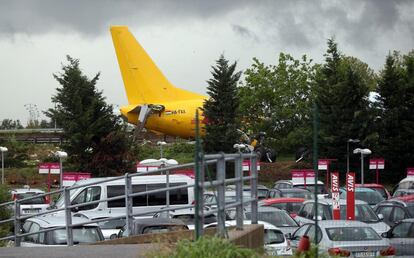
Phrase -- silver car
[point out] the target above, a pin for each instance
(363, 212)
(344, 238)
(401, 236)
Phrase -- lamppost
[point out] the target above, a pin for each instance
(2, 150)
(62, 155)
(161, 144)
(363, 152)
(347, 151)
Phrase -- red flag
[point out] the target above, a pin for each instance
(335, 196)
(350, 196)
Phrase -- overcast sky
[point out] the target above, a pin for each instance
(184, 38)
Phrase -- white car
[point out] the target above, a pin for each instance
(35, 205)
(89, 233)
(275, 241)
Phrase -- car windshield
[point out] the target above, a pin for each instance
(363, 212)
(80, 235)
(292, 207)
(276, 218)
(352, 234)
(112, 224)
(372, 197)
(37, 200)
(272, 236)
(410, 208)
(321, 188)
(381, 191)
(301, 194)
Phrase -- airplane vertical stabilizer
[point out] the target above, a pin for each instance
(144, 82)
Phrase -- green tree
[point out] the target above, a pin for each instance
(342, 89)
(87, 120)
(8, 124)
(221, 109)
(396, 119)
(276, 99)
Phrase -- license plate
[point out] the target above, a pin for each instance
(31, 211)
(365, 254)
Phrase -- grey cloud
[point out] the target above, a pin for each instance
(244, 32)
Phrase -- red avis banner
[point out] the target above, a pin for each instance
(350, 196)
(336, 212)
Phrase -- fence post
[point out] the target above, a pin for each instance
(167, 174)
(68, 217)
(253, 186)
(17, 224)
(238, 168)
(128, 204)
(221, 176)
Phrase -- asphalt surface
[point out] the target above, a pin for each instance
(90, 251)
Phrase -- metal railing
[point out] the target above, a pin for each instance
(200, 185)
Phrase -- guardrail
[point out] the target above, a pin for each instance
(201, 165)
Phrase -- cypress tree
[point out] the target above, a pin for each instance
(221, 109)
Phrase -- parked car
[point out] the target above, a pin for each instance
(35, 205)
(142, 203)
(153, 225)
(367, 195)
(363, 212)
(405, 184)
(377, 187)
(344, 238)
(111, 227)
(262, 191)
(401, 236)
(274, 239)
(291, 205)
(287, 184)
(276, 217)
(290, 193)
(396, 209)
(89, 233)
(186, 216)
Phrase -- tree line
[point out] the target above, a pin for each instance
(353, 102)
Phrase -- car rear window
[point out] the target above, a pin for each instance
(80, 235)
(272, 236)
(352, 234)
(37, 200)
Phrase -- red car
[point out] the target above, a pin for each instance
(291, 205)
(377, 187)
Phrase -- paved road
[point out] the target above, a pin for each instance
(90, 251)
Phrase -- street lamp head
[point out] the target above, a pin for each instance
(161, 143)
(239, 146)
(3, 149)
(354, 140)
(362, 151)
(61, 154)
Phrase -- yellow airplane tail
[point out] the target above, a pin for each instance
(144, 82)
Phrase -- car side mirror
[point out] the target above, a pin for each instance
(113, 236)
(75, 209)
(288, 235)
(380, 216)
(387, 234)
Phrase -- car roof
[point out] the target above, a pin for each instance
(27, 190)
(372, 185)
(145, 178)
(328, 201)
(266, 225)
(408, 220)
(297, 183)
(407, 179)
(282, 200)
(341, 223)
(294, 190)
(50, 221)
(407, 198)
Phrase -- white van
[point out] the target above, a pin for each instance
(143, 203)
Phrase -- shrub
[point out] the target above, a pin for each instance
(5, 212)
(206, 247)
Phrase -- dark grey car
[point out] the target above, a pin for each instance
(401, 236)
